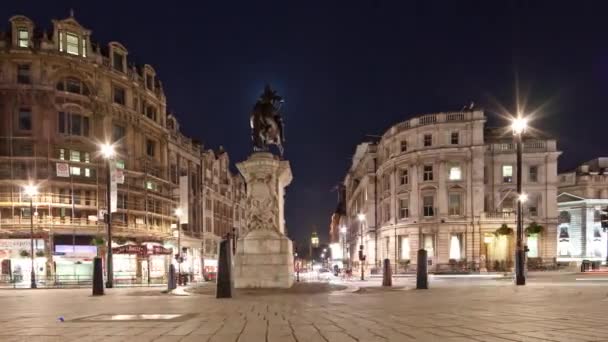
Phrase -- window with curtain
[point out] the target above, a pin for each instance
(428, 243)
(456, 246)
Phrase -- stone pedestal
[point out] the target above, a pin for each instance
(264, 255)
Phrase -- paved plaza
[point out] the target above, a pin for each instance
(451, 310)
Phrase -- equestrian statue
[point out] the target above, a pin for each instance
(266, 121)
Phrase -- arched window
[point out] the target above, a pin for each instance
(73, 85)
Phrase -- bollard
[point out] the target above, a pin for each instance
(387, 275)
(171, 281)
(97, 277)
(224, 276)
(422, 281)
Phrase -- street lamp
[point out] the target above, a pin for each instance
(178, 214)
(361, 217)
(519, 126)
(31, 190)
(108, 153)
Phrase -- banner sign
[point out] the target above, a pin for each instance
(161, 250)
(20, 244)
(63, 170)
(113, 187)
(142, 250)
(183, 198)
(130, 249)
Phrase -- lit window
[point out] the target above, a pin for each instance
(507, 174)
(75, 171)
(455, 173)
(404, 248)
(428, 140)
(454, 138)
(454, 204)
(87, 172)
(455, 247)
(72, 44)
(428, 243)
(62, 153)
(120, 164)
(533, 174)
(150, 185)
(75, 156)
(84, 47)
(87, 157)
(532, 243)
(25, 119)
(24, 38)
(428, 202)
(61, 37)
(427, 175)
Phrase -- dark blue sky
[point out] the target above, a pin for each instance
(351, 68)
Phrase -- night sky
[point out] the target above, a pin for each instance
(351, 68)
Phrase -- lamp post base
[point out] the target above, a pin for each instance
(520, 277)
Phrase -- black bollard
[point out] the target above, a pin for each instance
(387, 274)
(224, 276)
(422, 281)
(97, 277)
(171, 281)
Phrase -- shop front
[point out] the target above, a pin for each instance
(73, 263)
(16, 262)
(143, 263)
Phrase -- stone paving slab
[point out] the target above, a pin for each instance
(446, 314)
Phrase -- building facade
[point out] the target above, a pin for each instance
(583, 193)
(61, 95)
(446, 183)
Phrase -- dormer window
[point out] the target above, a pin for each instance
(72, 44)
(118, 62)
(23, 37)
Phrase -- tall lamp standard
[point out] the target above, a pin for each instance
(31, 191)
(519, 126)
(178, 214)
(108, 153)
(361, 217)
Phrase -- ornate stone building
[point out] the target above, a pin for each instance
(446, 183)
(582, 194)
(61, 95)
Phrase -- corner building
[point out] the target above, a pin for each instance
(61, 95)
(444, 182)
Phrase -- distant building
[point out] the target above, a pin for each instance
(582, 194)
(444, 182)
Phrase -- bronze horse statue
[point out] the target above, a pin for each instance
(266, 121)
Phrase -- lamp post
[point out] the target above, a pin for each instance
(519, 126)
(178, 214)
(296, 265)
(361, 218)
(108, 153)
(31, 191)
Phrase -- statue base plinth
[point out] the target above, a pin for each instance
(264, 259)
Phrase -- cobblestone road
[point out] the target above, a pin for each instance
(484, 312)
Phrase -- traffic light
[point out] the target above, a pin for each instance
(604, 218)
